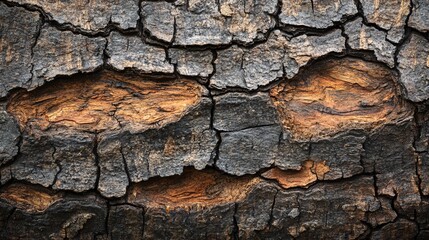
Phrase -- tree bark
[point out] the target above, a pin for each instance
(213, 119)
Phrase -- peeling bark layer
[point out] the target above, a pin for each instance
(105, 102)
(336, 96)
(214, 119)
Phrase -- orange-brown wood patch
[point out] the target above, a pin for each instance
(192, 188)
(338, 95)
(105, 101)
(29, 198)
(309, 173)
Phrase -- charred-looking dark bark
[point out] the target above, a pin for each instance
(207, 119)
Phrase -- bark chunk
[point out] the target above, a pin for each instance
(158, 19)
(402, 228)
(19, 29)
(192, 63)
(418, 18)
(78, 168)
(395, 165)
(249, 150)
(9, 137)
(302, 49)
(413, 66)
(113, 176)
(422, 147)
(131, 52)
(35, 164)
(362, 37)
(64, 53)
(301, 214)
(390, 15)
(237, 111)
(126, 222)
(316, 13)
(89, 16)
(63, 160)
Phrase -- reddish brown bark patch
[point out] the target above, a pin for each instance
(339, 95)
(105, 101)
(202, 188)
(29, 198)
(309, 173)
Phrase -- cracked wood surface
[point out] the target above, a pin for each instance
(228, 119)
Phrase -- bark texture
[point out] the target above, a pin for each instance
(208, 119)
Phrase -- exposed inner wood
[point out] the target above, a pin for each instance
(29, 198)
(338, 95)
(105, 101)
(309, 173)
(193, 187)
